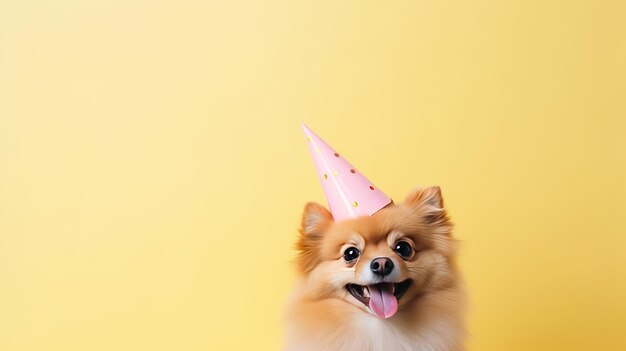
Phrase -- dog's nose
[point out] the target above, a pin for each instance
(381, 266)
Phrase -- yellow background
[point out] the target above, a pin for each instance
(153, 171)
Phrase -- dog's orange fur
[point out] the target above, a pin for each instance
(323, 315)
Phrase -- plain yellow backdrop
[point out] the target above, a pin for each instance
(153, 171)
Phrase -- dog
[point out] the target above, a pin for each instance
(384, 282)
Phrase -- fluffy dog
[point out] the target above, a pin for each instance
(383, 282)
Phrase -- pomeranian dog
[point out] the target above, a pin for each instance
(383, 282)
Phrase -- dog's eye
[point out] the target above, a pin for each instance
(403, 249)
(351, 254)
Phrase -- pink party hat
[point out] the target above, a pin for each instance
(348, 192)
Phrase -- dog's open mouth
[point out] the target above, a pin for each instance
(381, 298)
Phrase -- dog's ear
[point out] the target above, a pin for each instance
(425, 196)
(429, 202)
(315, 219)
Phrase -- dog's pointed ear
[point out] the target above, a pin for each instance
(315, 219)
(429, 202)
(425, 196)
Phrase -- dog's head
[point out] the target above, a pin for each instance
(379, 263)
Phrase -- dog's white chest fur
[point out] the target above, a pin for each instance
(368, 333)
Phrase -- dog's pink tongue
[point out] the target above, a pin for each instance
(382, 301)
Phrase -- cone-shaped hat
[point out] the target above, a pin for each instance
(348, 192)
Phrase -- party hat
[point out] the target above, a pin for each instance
(348, 192)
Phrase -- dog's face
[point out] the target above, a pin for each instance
(380, 263)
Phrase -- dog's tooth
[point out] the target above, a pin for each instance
(366, 292)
